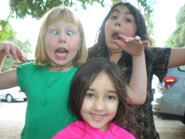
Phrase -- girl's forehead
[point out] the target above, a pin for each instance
(122, 9)
(70, 21)
(63, 22)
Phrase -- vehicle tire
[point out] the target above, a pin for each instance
(9, 98)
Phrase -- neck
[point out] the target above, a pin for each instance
(60, 68)
(115, 56)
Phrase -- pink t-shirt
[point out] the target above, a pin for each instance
(82, 130)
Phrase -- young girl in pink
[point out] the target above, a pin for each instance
(98, 98)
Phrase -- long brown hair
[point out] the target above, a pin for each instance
(100, 43)
(84, 77)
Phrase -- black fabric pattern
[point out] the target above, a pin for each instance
(141, 122)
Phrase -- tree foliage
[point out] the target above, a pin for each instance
(146, 5)
(36, 8)
(177, 39)
(24, 46)
(6, 30)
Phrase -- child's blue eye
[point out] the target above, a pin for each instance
(69, 33)
(55, 32)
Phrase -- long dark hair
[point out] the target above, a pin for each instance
(84, 77)
(139, 21)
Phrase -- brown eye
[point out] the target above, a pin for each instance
(113, 17)
(89, 95)
(128, 20)
(110, 97)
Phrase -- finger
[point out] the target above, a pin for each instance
(129, 39)
(123, 38)
(137, 38)
(145, 43)
(22, 59)
(20, 55)
(13, 51)
(15, 65)
(10, 49)
(120, 44)
(7, 51)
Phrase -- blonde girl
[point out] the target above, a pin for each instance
(59, 52)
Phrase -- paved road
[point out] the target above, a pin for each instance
(12, 117)
(169, 128)
(12, 121)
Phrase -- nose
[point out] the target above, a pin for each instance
(62, 38)
(99, 105)
(118, 22)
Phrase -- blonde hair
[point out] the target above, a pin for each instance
(54, 15)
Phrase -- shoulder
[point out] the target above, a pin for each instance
(28, 67)
(71, 72)
(74, 130)
(120, 132)
(95, 51)
(157, 55)
(30, 64)
(25, 67)
(75, 68)
(158, 50)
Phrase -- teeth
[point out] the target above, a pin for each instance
(61, 54)
(115, 36)
(61, 49)
(97, 115)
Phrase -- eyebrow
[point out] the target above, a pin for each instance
(110, 91)
(115, 10)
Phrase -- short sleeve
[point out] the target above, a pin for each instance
(22, 71)
(160, 60)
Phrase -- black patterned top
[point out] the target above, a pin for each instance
(156, 63)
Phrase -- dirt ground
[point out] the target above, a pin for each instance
(12, 129)
(12, 121)
(168, 128)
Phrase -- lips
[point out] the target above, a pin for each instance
(97, 117)
(61, 52)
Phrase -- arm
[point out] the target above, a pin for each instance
(177, 57)
(9, 78)
(137, 88)
(2, 57)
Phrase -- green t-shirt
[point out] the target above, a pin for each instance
(47, 96)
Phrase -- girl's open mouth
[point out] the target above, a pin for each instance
(61, 52)
(115, 36)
